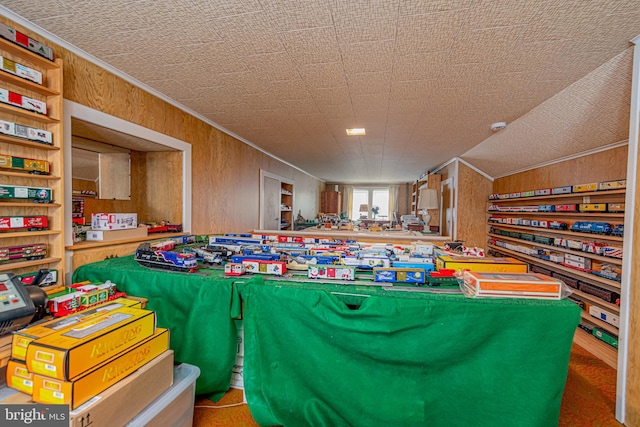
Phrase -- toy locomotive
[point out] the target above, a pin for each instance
(165, 260)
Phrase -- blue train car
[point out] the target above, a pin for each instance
(591, 227)
(399, 275)
(255, 257)
(618, 230)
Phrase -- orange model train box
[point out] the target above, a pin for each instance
(487, 264)
(78, 391)
(23, 337)
(512, 285)
(18, 376)
(70, 353)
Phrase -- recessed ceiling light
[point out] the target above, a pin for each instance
(356, 131)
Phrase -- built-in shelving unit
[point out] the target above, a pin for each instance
(525, 234)
(50, 92)
(286, 206)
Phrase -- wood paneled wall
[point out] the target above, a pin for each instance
(225, 171)
(604, 166)
(473, 190)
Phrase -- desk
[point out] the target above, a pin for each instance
(402, 359)
(196, 309)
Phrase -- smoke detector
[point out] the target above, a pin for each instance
(498, 126)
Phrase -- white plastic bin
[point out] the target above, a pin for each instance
(174, 408)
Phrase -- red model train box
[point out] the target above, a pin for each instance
(512, 285)
(23, 337)
(69, 353)
(486, 264)
(114, 221)
(109, 235)
(78, 391)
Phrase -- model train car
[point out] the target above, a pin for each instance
(21, 164)
(18, 192)
(591, 227)
(22, 252)
(414, 276)
(333, 272)
(165, 260)
(276, 268)
(25, 41)
(30, 223)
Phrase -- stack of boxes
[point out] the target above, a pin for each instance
(115, 226)
(73, 359)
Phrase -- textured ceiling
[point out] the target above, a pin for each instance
(425, 78)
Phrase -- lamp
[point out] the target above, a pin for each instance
(428, 200)
(364, 208)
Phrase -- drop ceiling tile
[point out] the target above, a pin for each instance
(363, 20)
(421, 7)
(369, 83)
(318, 76)
(311, 45)
(331, 95)
(290, 15)
(368, 57)
(376, 101)
(423, 66)
(427, 33)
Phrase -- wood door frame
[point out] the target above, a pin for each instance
(266, 174)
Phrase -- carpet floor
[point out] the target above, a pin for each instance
(589, 398)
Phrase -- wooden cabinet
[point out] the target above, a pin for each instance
(331, 202)
(286, 206)
(542, 231)
(49, 92)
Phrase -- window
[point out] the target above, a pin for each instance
(372, 197)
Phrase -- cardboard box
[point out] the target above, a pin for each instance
(125, 399)
(18, 376)
(512, 285)
(175, 406)
(604, 315)
(485, 264)
(23, 337)
(80, 390)
(67, 354)
(114, 221)
(109, 235)
(119, 403)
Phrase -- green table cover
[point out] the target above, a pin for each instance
(195, 308)
(335, 355)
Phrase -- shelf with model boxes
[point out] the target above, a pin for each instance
(31, 185)
(575, 234)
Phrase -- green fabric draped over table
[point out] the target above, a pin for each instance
(195, 308)
(320, 355)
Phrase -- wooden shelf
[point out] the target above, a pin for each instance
(619, 215)
(609, 260)
(581, 236)
(9, 234)
(17, 111)
(29, 205)
(611, 285)
(28, 175)
(27, 84)
(29, 56)
(30, 263)
(599, 323)
(523, 200)
(26, 143)
(49, 92)
(598, 348)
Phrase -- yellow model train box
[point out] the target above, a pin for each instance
(78, 391)
(512, 285)
(488, 264)
(70, 353)
(23, 337)
(18, 376)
